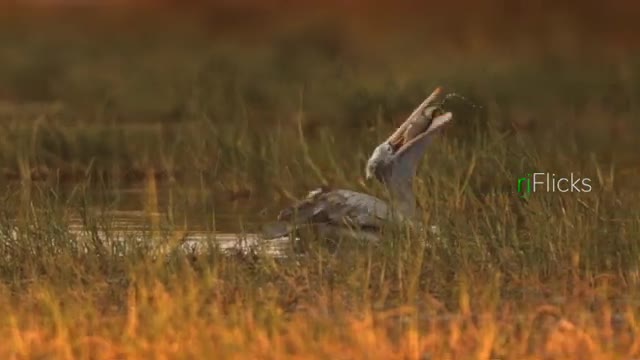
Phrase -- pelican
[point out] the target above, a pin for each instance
(338, 212)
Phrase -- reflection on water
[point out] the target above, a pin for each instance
(191, 219)
(131, 226)
(195, 208)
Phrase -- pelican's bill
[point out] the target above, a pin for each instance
(421, 121)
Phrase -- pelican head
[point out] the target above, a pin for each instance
(397, 156)
(379, 161)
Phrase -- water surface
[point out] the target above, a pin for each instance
(192, 219)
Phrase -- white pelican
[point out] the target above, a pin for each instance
(337, 212)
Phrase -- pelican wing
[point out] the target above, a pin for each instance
(337, 207)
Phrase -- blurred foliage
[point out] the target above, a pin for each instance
(219, 101)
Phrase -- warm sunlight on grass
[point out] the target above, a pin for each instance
(156, 322)
(212, 127)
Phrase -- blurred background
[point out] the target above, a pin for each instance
(241, 96)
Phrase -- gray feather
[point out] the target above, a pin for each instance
(338, 207)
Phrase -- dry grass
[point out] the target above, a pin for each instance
(185, 322)
(207, 307)
(219, 135)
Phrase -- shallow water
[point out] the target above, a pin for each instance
(190, 219)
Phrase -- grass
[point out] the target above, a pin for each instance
(221, 130)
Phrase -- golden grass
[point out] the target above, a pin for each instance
(156, 322)
(219, 135)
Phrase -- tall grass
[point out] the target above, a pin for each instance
(211, 129)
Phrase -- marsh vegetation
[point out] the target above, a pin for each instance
(171, 133)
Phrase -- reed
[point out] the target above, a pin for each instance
(218, 137)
